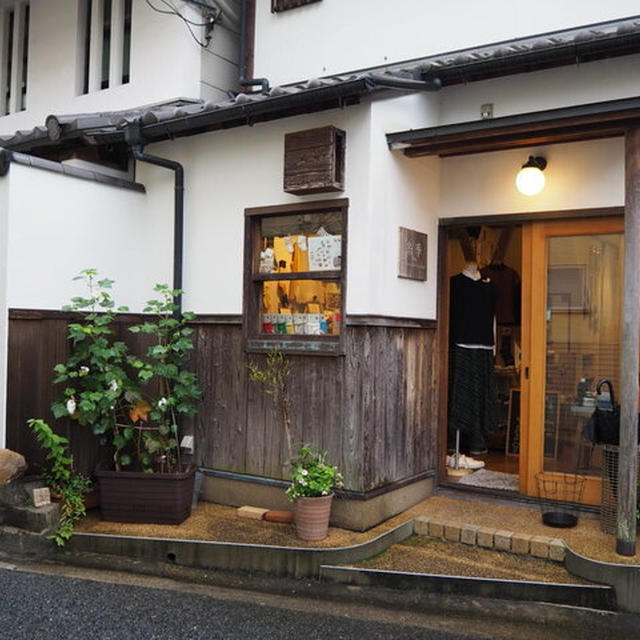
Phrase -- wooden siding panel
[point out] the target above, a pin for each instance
(373, 410)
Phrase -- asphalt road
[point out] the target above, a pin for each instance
(41, 601)
(41, 607)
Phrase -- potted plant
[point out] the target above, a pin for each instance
(134, 401)
(69, 487)
(313, 480)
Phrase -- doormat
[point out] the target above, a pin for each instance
(491, 480)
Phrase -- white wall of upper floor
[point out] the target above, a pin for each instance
(166, 62)
(334, 36)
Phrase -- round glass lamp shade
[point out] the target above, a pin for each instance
(530, 181)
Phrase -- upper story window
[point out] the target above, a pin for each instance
(283, 5)
(14, 57)
(295, 277)
(104, 28)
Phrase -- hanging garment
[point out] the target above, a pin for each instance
(506, 284)
(472, 311)
(472, 397)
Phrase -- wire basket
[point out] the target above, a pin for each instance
(609, 498)
(560, 495)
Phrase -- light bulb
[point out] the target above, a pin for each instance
(530, 181)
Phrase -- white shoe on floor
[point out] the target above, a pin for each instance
(464, 462)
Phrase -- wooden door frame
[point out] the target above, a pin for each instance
(442, 313)
(534, 340)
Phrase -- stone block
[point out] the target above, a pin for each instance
(520, 543)
(485, 537)
(469, 534)
(421, 526)
(252, 513)
(12, 465)
(452, 531)
(34, 519)
(502, 540)
(436, 528)
(18, 493)
(557, 550)
(539, 546)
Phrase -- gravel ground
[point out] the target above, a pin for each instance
(425, 555)
(220, 523)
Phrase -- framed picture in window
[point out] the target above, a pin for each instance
(567, 287)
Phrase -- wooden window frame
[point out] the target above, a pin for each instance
(285, 5)
(257, 342)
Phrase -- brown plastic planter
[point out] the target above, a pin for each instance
(149, 498)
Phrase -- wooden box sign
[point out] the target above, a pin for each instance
(314, 161)
(283, 5)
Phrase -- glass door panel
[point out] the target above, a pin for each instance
(583, 316)
(571, 333)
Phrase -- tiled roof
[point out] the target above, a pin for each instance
(189, 117)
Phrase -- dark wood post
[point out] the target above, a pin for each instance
(628, 452)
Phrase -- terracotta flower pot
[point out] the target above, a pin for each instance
(312, 517)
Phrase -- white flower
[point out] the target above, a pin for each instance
(304, 472)
(84, 370)
(71, 406)
(325, 493)
(162, 403)
(302, 481)
(113, 385)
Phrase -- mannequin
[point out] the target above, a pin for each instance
(472, 385)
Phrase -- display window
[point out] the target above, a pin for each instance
(294, 276)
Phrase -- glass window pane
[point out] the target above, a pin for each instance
(302, 242)
(301, 307)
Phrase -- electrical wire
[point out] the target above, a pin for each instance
(174, 12)
(188, 23)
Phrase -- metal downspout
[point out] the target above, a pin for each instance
(243, 80)
(178, 212)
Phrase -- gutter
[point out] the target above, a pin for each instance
(135, 141)
(8, 157)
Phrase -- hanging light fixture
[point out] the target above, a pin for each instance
(530, 180)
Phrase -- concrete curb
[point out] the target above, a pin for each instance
(624, 578)
(575, 595)
(228, 556)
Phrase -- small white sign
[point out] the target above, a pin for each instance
(41, 497)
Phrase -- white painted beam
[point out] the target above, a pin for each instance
(15, 96)
(4, 43)
(116, 56)
(95, 49)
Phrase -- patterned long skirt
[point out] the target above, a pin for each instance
(472, 397)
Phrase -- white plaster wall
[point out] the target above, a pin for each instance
(227, 171)
(403, 193)
(166, 63)
(60, 225)
(578, 175)
(4, 218)
(611, 79)
(333, 36)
